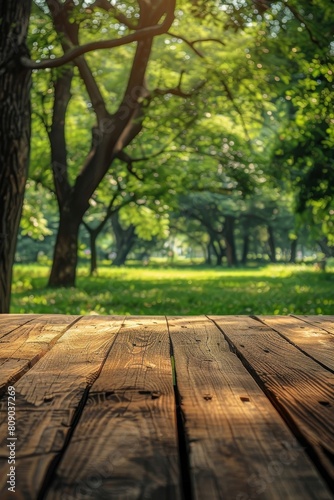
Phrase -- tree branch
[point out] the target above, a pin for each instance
(236, 107)
(123, 156)
(193, 42)
(177, 90)
(75, 52)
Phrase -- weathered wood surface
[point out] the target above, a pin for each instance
(239, 445)
(298, 386)
(251, 416)
(23, 343)
(324, 322)
(9, 322)
(131, 406)
(49, 398)
(310, 339)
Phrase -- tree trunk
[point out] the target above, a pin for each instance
(220, 252)
(293, 251)
(125, 239)
(245, 249)
(325, 248)
(229, 241)
(113, 132)
(93, 254)
(272, 245)
(124, 251)
(65, 257)
(14, 132)
(208, 259)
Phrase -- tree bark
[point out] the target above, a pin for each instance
(66, 250)
(63, 272)
(14, 132)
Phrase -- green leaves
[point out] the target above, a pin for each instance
(37, 208)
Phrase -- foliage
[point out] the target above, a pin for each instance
(243, 118)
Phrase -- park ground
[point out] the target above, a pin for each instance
(178, 290)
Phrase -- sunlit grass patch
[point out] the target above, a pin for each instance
(274, 289)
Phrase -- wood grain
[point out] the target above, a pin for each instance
(49, 398)
(312, 340)
(298, 386)
(239, 446)
(125, 445)
(9, 322)
(24, 345)
(324, 322)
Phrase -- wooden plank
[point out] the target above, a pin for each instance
(125, 445)
(9, 322)
(21, 348)
(297, 385)
(310, 339)
(324, 322)
(49, 398)
(240, 448)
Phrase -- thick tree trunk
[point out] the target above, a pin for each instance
(66, 251)
(14, 133)
(113, 133)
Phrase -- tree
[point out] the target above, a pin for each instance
(217, 215)
(14, 133)
(295, 48)
(15, 122)
(115, 130)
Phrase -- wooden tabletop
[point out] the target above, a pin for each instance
(220, 407)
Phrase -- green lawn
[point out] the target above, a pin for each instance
(178, 291)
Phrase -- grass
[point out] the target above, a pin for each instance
(274, 289)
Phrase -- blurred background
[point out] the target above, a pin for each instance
(189, 170)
